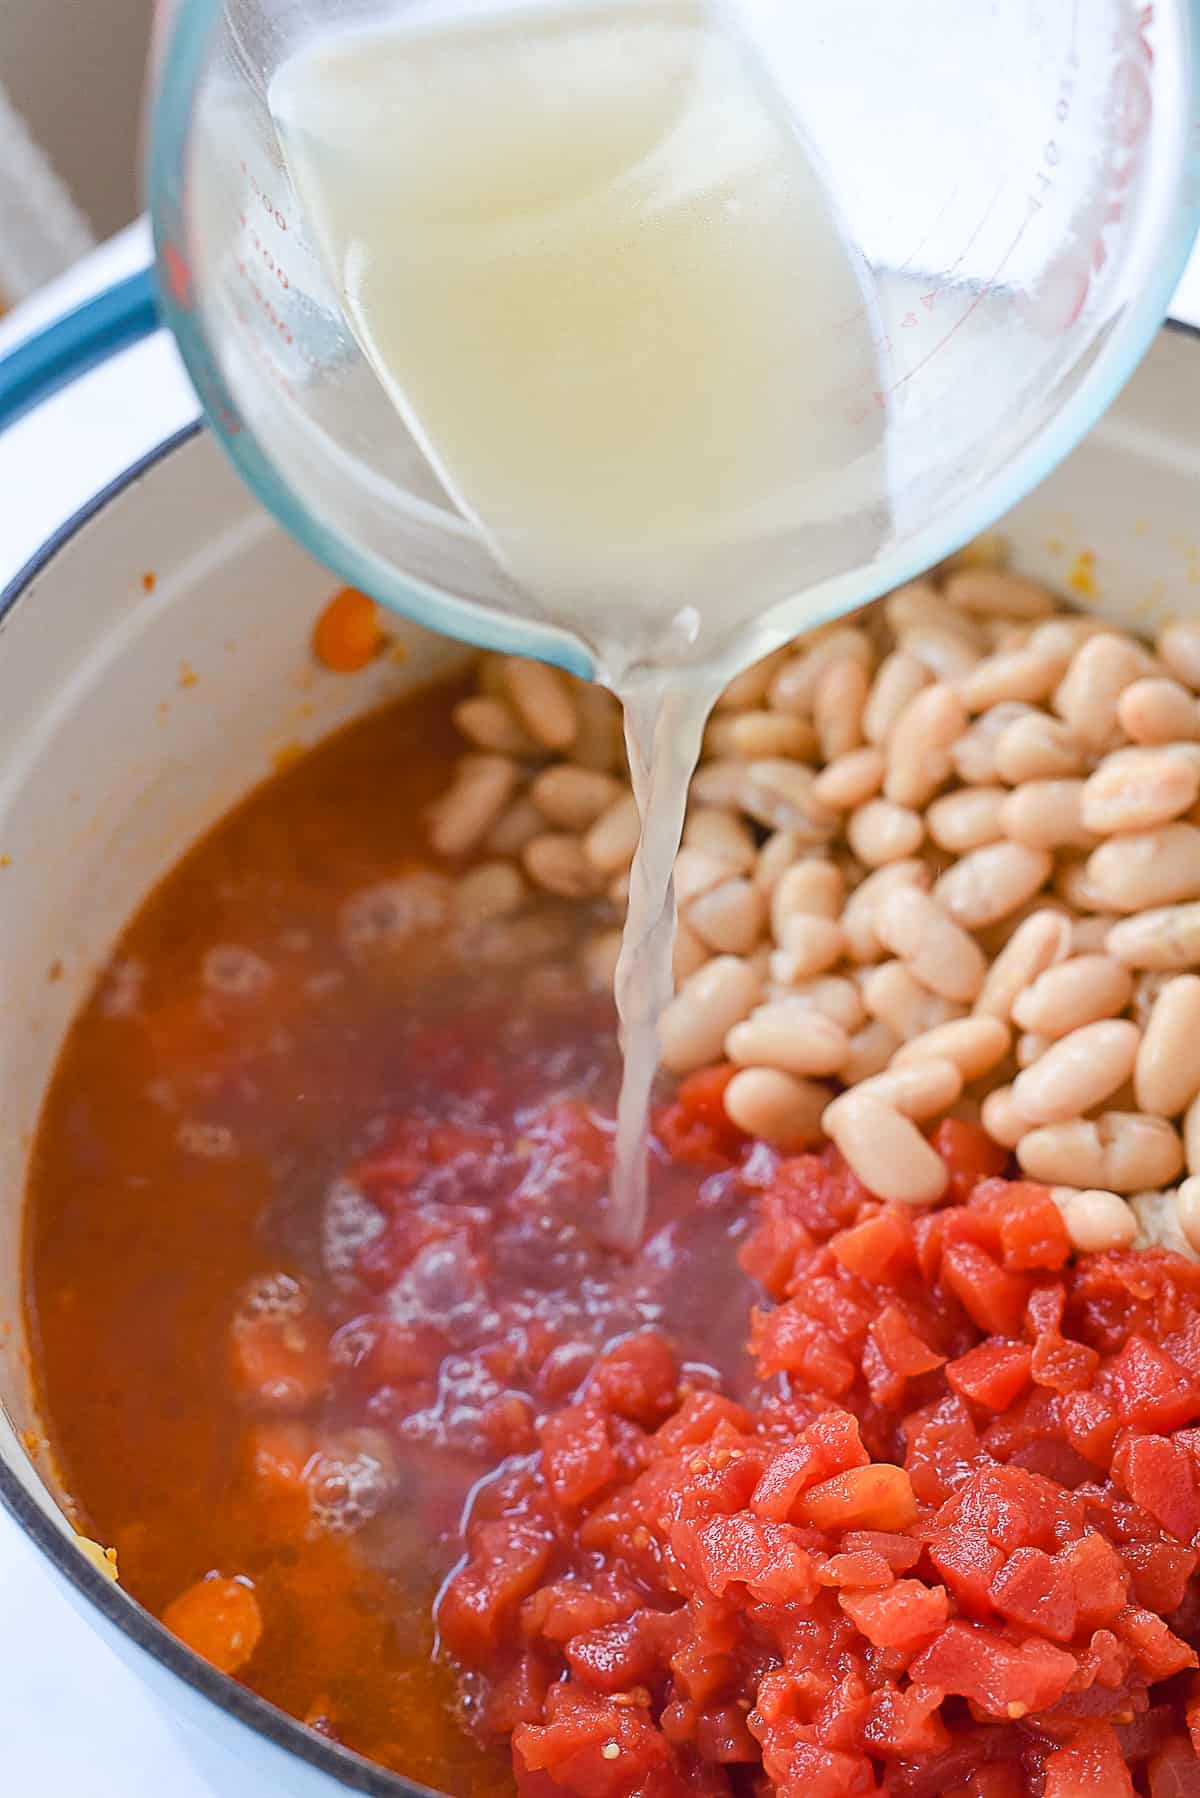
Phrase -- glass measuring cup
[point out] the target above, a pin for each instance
(1019, 184)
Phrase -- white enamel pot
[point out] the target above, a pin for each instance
(113, 759)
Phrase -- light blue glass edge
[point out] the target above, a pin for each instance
(170, 119)
(179, 76)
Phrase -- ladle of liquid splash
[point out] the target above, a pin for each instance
(598, 273)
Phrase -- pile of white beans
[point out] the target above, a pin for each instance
(941, 860)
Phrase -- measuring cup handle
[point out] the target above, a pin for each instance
(111, 321)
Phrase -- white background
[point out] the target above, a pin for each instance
(74, 1719)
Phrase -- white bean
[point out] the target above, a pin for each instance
(493, 890)
(919, 604)
(892, 993)
(515, 827)
(1036, 747)
(557, 862)
(542, 700)
(767, 1103)
(749, 736)
(858, 918)
(1179, 647)
(1002, 1118)
(1083, 990)
(1165, 938)
(689, 953)
(489, 724)
(920, 743)
(1147, 868)
(1159, 1225)
(974, 1045)
(720, 832)
(694, 1026)
(780, 795)
(881, 832)
(1167, 1076)
(973, 756)
(898, 680)
(1048, 814)
(1119, 1151)
(995, 590)
(794, 687)
(838, 703)
(777, 855)
(809, 945)
(946, 654)
(1029, 674)
(1040, 941)
(1096, 1220)
(697, 872)
(1157, 710)
(967, 819)
(749, 688)
(941, 955)
(987, 884)
(729, 918)
(850, 779)
(1078, 1072)
(871, 1049)
(926, 1089)
(613, 839)
(1088, 694)
(463, 816)
(832, 994)
(1138, 789)
(573, 798)
(886, 1150)
(815, 888)
(783, 1035)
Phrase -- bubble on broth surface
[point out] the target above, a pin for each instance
(234, 972)
(385, 916)
(349, 1482)
(348, 1223)
(121, 988)
(273, 1294)
(214, 1142)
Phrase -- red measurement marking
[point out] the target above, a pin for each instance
(908, 321)
(179, 275)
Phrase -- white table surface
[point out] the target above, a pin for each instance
(110, 1740)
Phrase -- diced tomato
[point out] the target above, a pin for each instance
(1174, 1772)
(879, 1247)
(1003, 1678)
(1153, 1392)
(970, 1155)
(877, 1497)
(1162, 1478)
(1090, 1766)
(218, 1619)
(993, 1373)
(993, 1298)
(695, 1128)
(1035, 1590)
(829, 1445)
(576, 1454)
(905, 1616)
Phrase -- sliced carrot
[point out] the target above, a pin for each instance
(218, 1619)
(347, 634)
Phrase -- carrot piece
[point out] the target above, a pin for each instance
(347, 634)
(218, 1619)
